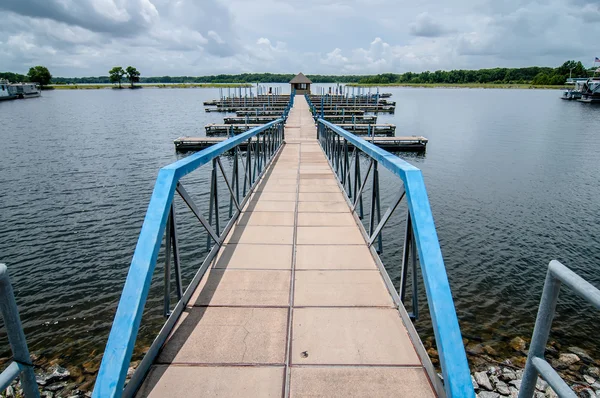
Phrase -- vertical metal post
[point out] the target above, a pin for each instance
(543, 323)
(16, 337)
(415, 284)
(380, 237)
(212, 204)
(176, 258)
(167, 276)
(216, 199)
(373, 200)
(357, 185)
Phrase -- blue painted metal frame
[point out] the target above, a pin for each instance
(121, 341)
(455, 368)
(557, 275)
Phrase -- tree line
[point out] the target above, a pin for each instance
(37, 74)
(529, 75)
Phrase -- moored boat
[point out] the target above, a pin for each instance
(26, 90)
(590, 92)
(6, 91)
(574, 93)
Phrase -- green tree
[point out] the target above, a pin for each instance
(39, 74)
(116, 75)
(132, 75)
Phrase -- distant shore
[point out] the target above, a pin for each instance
(147, 85)
(235, 85)
(462, 85)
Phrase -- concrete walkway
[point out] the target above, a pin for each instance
(294, 304)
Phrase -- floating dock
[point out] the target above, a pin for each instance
(334, 118)
(387, 130)
(405, 144)
(295, 303)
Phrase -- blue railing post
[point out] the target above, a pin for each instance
(16, 339)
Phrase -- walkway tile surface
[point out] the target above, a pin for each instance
(294, 304)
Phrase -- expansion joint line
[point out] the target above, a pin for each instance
(288, 356)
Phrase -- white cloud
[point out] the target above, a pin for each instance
(189, 37)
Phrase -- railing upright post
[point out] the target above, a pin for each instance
(374, 199)
(16, 336)
(211, 204)
(176, 258)
(357, 186)
(541, 331)
(167, 277)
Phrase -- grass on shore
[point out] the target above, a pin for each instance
(460, 85)
(149, 85)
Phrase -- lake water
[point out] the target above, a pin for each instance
(512, 176)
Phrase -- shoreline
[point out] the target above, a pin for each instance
(464, 85)
(494, 374)
(107, 86)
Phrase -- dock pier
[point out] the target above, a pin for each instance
(292, 299)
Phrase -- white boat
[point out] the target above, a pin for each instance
(6, 91)
(26, 90)
(590, 92)
(575, 92)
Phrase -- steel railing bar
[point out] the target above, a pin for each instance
(386, 216)
(362, 186)
(16, 339)
(557, 275)
(237, 205)
(176, 258)
(167, 297)
(190, 203)
(553, 378)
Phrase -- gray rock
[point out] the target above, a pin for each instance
(587, 393)
(589, 379)
(47, 394)
(494, 371)
(581, 353)
(550, 393)
(519, 373)
(55, 387)
(10, 392)
(516, 383)
(502, 388)
(514, 393)
(566, 360)
(517, 344)
(541, 384)
(482, 379)
(130, 372)
(488, 394)
(593, 371)
(475, 385)
(539, 394)
(494, 379)
(55, 373)
(507, 375)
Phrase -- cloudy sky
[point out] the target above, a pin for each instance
(199, 37)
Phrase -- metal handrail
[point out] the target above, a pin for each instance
(21, 365)
(536, 364)
(420, 235)
(264, 142)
